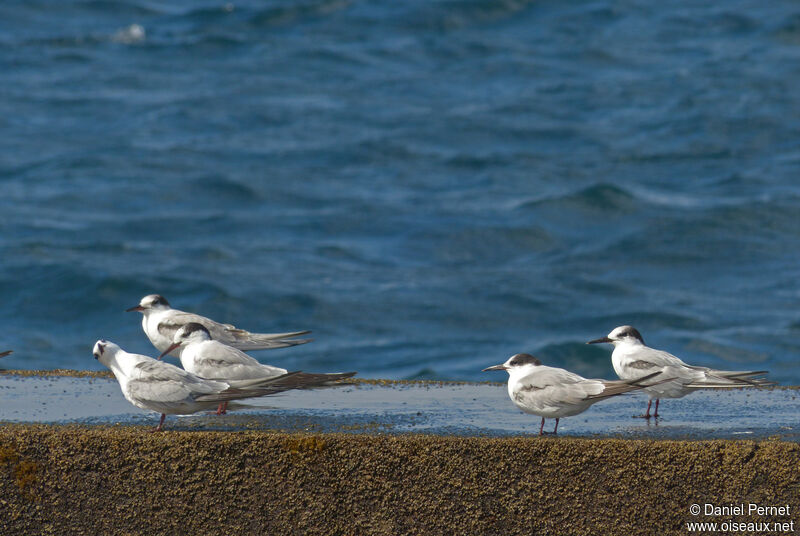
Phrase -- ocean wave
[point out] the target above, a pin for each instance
(292, 13)
(730, 231)
(451, 15)
(123, 9)
(479, 244)
(725, 352)
(587, 360)
(789, 30)
(601, 197)
(225, 190)
(644, 321)
(129, 35)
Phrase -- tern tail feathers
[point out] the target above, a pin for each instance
(3, 354)
(266, 336)
(252, 388)
(270, 386)
(618, 387)
(236, 394)
(731, 385)
(268, 341)
(311, 380)
(724, 379)
(293, 380)
(266, 381)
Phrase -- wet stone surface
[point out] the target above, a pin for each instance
(460, 409)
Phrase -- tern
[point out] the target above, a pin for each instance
(551, 392)
(158, 386)
(3, 354)
(160, 322)
(213, 360)
(632, 359)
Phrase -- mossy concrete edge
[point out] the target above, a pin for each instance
(122, 480)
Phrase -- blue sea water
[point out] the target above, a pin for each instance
(429, 186)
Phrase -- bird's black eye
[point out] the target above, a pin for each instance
(96, 355)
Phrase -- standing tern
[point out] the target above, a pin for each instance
(160, 322)
(158, 386)
(551, 392)
(214, 360)
(632, 359)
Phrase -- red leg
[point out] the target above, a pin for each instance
(160, 424)
(656, 413)
(221, 408)
(647, 413)
(541, 428)
(555, 430)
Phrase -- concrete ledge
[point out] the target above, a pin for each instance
(121, 480)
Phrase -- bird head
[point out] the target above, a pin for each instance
(149, 303)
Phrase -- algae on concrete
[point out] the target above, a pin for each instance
(121, 480)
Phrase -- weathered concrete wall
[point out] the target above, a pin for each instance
(121, 480)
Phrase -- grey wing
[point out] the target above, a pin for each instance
(697, 376)
(222, 353)
(161, 387)
(644, 365)
(227, 363)
(555, 387)
(231, 335)
(168, 327)
(244, 340)
(658, 358)
(177, 319)
(157, 376)
(152, 370)
(150, 392)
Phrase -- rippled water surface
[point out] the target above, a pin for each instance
(428, 186)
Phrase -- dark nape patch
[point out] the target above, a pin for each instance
(633, 332)
(524, 359)
(192, 327)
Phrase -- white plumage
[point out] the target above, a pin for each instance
(214, 360)
(157, 386)
(160, 322)
(632, 359)
(551, 392)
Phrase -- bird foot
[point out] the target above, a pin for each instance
(645, 416)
